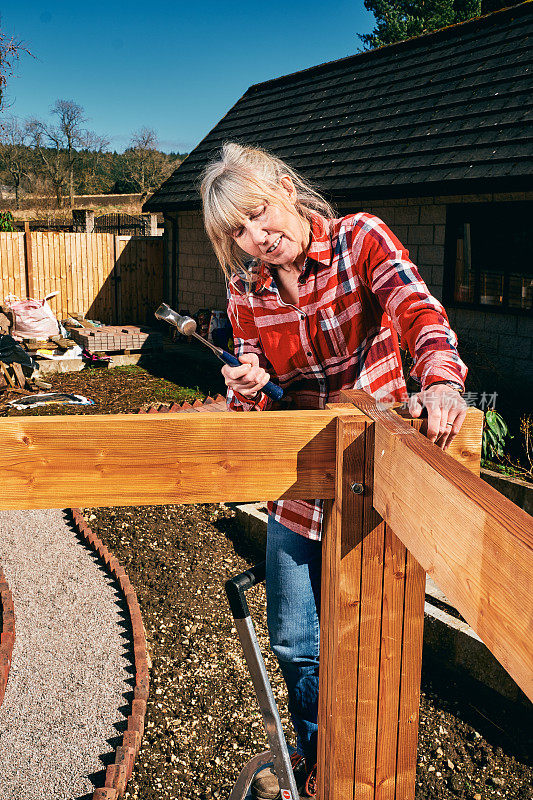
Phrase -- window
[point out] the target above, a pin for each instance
(489, 256)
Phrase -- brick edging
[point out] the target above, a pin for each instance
(7, 634)
(119, 772)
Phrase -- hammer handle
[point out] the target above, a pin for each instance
(270, 389)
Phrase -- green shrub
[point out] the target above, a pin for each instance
(6, 222)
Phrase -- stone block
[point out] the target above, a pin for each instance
(432, 214)
(525, 326)
(507, 196)
(414, 253)
(420, 234)
(437, 274)
(467, 319)
(431, 254)
(405, 215)
(523, 372)
(485, 197)
(439, 234)
(515, 346)
(400, 231)
(503, 323)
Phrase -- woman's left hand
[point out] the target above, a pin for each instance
(446, 412)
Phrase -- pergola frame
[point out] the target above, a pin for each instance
(396, 507)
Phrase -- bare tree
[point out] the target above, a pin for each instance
(51, 156)
(15, 155)
(10, 50)
(145, 165)
(58, 145)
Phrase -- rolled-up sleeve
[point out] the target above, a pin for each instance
(418, 318)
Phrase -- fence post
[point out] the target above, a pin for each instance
(117, 278)
(28, 260)
(372, 627)
(83, 220)
(150, 224)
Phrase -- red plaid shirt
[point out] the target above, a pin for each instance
(359, 292)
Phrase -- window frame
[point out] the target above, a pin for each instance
(457, 213)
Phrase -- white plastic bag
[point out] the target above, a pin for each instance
(32, 319)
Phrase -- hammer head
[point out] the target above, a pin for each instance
(185, 325)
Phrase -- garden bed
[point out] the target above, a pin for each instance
(202, 721)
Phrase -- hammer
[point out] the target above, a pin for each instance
(187, 327)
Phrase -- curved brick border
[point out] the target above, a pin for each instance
(7, 635)
(118, 773)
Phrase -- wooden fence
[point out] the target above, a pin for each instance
(115, 279)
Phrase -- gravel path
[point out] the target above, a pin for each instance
(71, 668)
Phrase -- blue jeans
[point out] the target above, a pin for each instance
(293, 613)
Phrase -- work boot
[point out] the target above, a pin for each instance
(265, 785)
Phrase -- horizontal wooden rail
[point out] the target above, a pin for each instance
(122, 459)
(476, 545)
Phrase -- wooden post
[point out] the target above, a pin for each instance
(117, 278)
(28, 260)
(371, 652)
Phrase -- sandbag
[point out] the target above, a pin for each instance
(32, 319)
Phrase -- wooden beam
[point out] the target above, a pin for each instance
(339, 624)
(122, 459)
(476, 545)
(28, 261)
(371, 638)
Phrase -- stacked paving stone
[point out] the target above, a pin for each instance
(117, 337)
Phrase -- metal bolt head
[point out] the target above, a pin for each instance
(357, 488)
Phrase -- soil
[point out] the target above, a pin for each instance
(203, 722)
(163, 379)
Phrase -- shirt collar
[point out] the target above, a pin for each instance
(320, 253)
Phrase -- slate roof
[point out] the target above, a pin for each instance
(446, 112)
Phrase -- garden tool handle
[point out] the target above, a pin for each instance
(271, 389)
(235, 590)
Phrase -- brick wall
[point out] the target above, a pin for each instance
(505, 342)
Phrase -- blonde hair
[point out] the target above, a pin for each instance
(243, 178)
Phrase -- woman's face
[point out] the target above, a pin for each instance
(273, 233)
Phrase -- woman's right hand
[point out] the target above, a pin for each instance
(248, 379)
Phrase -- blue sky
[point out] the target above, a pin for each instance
(173, 66)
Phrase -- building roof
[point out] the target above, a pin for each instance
(448, 111)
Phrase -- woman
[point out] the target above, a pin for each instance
(320, 307)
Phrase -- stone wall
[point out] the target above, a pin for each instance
(200, 279)
(503, 343)
(80, 201)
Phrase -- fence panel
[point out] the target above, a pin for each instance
(12, 265)
(140, 263)
(112, 279)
